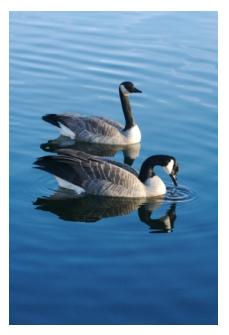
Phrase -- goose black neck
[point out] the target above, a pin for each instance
(149, 164)
(126, 110)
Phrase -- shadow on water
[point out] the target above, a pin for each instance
(89, 209)
(130, 152)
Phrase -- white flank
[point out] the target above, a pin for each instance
(65, 131)
(154, 186)
(66, 184)
(133, 135)
(169, 167)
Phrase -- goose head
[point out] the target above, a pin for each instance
(171, 167)
(128, 87)
(153, 183)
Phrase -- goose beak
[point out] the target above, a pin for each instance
(135, 90)
(173, 177)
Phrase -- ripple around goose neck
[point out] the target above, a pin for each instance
(180, 194)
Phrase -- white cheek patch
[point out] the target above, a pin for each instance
(124, 90)
(169, 167)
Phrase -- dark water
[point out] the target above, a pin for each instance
(109, 261)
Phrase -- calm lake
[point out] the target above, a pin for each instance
(109, 261)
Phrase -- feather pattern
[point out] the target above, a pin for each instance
(93, 174)
(91, 129)
(74, 153)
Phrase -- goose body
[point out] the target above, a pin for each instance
(98, 129)
(89, 174)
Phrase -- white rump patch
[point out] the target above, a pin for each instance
(169, 167)
(133, 135)
(65, 131)
(66, 184)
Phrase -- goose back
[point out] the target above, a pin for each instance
(88, 129)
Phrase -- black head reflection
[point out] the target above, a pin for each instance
(163, 224)
(130, 152)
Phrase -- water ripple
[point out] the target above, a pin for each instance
(180, 194)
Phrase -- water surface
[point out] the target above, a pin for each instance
(90, 261)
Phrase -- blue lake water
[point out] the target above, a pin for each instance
(101, 261)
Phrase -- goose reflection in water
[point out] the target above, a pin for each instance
(130, 152)
(68, 207)
(164, 224)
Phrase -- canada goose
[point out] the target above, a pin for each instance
(89, 174)
(98, 129)
(130, 152)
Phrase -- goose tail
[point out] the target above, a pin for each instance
(46, 163)
(63, 168)
(52, 118)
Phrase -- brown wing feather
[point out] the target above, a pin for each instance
(85, 156)
(90, 128)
